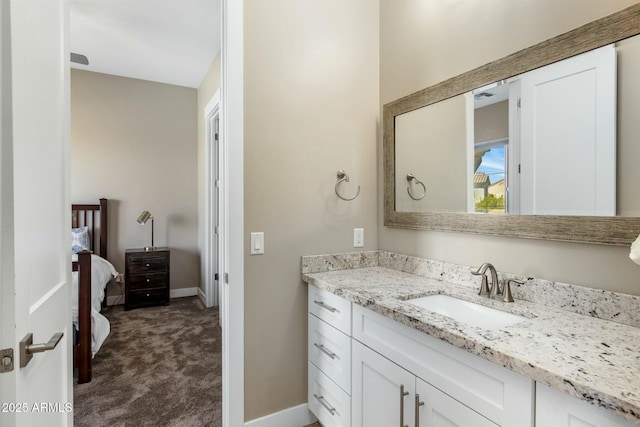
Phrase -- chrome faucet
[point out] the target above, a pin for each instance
(493, 290)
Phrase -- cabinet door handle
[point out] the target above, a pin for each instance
(402, 396)
(418, 405)
(323, 349)
(326, 306)
(146, 265)
(324, 403)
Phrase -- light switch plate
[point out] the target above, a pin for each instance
(358, 237)
(257, 243)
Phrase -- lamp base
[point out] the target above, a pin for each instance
(150, 248)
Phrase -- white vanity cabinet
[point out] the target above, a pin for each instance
(384, 394)
(329, 349)
(558, 409)
(475, 386)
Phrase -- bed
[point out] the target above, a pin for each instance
(91, 274)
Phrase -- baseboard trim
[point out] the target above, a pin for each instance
(296, 416)
(202, 296)
(183, 292)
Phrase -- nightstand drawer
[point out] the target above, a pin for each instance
(148, 281)
(148, 297)
(147, 264)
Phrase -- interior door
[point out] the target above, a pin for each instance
(568, 144)
(35, 211)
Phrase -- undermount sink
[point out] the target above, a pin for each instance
(467, 312)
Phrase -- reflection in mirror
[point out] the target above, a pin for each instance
(552, 150)
(541, 143)
(432, 148)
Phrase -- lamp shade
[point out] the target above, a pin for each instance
(144, 217)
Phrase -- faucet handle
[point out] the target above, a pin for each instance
(507, 297)
(484, 286)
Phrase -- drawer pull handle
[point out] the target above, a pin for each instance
(402, 396)
(418, 405)
(323, 349)
(326, 306)
(148, 280)
(324, 403)
(147, 294)
(146, 265)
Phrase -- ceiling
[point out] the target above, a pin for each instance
(167, 41)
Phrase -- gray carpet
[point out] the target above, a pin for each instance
(160, 366)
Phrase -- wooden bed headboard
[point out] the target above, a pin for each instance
(95, 218)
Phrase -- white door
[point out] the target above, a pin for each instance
(35, 211)
(436, 409)
(212, 233)
(568, 144)
(382, 392)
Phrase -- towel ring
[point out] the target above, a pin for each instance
(343, 177)
(410, 178)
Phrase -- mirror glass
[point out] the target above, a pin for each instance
(559, 140)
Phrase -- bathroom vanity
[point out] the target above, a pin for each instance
(378, 359)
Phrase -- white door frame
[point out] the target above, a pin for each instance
(232, 218)
(212, 204)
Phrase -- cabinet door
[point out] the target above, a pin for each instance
(558, 409)
(382, 392)
(436, 409)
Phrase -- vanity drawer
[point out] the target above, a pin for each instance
(331, 308)
(327, 401)
(497, 393)
(330, 351)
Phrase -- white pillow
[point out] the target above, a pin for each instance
(80, 239)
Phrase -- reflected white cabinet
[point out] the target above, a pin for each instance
(382, 392)
(558, 409)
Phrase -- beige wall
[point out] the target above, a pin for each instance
(209, 86)
(423, 43)
(134, 142)
(311, 107)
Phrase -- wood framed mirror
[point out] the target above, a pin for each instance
(609, 230)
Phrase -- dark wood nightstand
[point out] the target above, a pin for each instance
(146, 278)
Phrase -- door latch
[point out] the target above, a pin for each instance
(6, 360)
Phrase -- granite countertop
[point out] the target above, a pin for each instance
(589, 358)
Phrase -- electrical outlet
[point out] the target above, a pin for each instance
(358, 237)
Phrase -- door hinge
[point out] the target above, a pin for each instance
(217, 183)
(519, 102)
(519, 169)
(226, 278)
(216, 229)
(217, 136)
(215, 277)
(6, 360)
